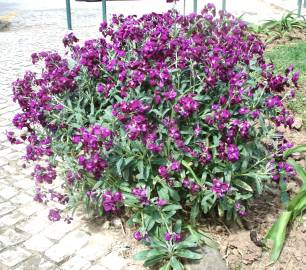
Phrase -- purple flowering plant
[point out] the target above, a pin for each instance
(165, 118)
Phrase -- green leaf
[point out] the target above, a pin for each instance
(174, 195)
(299, 170)
(208, 201)
(190, 242)
(163, 193)
(188, 167)
(242, 185)
(98, 184)
(142, 255)
(176, 265)
(128, 161)
(172, 207)
(297, 149)
(119, 166)
(188, 254)
(154, 260)
(140, 167)
(178, 226)
(220, 210)
(166, 266)
(277, 234)
(149, 223)
(195, 210)
(299, 208)
(296, 199)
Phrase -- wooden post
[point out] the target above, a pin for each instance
(68, 13)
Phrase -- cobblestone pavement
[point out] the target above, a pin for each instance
(27, 239)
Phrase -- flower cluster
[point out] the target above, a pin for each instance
(141, 195)
(112, 201)
(44, 174)
(93, 140)
(190, 185)
(219, 187)
(176, 237)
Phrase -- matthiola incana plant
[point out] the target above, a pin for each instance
(164, 119)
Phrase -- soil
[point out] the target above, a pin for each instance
(294, 35)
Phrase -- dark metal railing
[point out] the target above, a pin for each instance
(195, 9)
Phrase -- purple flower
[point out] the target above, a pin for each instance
(138, 236)
(112, 201)
(170, 95)
(220, 188)
(69, 39)
(58, 107)
(141, 195)
(54, 215)
(232, 153)
(195, 188)
(163, 171)
(161, 202)
(197, 130)
(186, 183)
(12, 139)
(255, 114)
(186, 106)
(175, 166)
(243, 111)
(177, 237)
(168, 236)
(295, 77)
(274, 101)
(44, 174)
(76, 139)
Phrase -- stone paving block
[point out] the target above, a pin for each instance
(2, 246)
(22, 198)
(34, 225)
(57, 230)
(25, 183)
(67, 246)
(37, 262)
(98, 267)
(6, 207)
(76, 263)
(13, 256)
(12, 218)
(8, 192)
(98, 245)
(31, 208)
(4, 152)
(38, 243)
(11, 170)
(113, 261)
(10, 237)
(3, 162)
